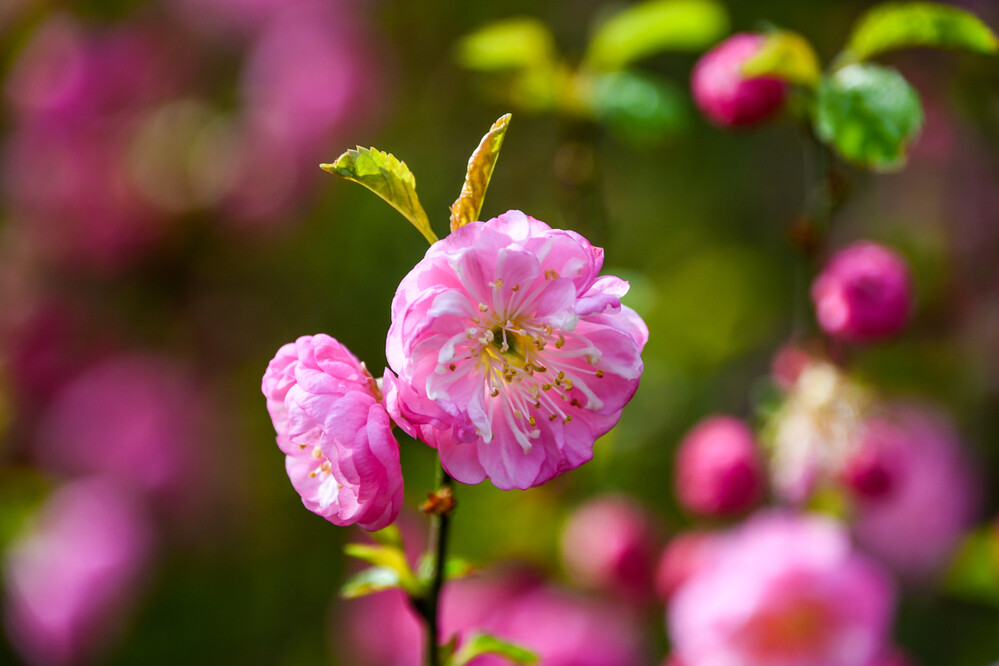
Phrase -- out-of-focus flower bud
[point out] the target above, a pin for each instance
(864, 294)
(718, 468)
(609, 544)
(725, 95)
(681, 559)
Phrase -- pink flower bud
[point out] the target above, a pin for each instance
(725, 95)
(608, 544)
(863, 294)
(681, 559)
(718, 470)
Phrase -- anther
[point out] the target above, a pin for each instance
(600, 374)
(483, 307)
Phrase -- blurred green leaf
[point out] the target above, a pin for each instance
(637, 107)
(900, 25)
(22, 491)
(480, 644)
(454, 569)
(870, 114)
(515, 43)
(974, 573)
(388, 177)
(387, 558)
(369, 581)
(657, 25)
(390, 537)
(468, 205)
(785, 55)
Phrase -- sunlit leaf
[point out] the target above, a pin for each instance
(510, 44)
(637, 107)
(785, 55)
(974, 573)
(389, 178)
(869, 114)
(388, 558)
(369, 581)
(900, 25)
(480, 644)
(657, 25)
(480, 171)
(389, 536)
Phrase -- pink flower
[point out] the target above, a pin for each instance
(927, 490)
(341, 456)
(783, 590)
(718, 468)
(609, 544)
(563, 629)
(512, 355)
(864, 294)
(73, 577)
(725, 95)
(133, 417)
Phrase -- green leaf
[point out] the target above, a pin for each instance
(387, 558)
(22, 492)
(657, 25)
(468, 205)
(639, 108)
(785, 55)
(900, 25)
(510, 44)
(869, 114)
(479, 644)
(369, 581)
(389, 537)
(389, 178)
(974, 573)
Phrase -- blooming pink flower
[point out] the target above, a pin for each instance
(863, 294)
(609, 544)
(73, 577)
(927, 491)
(725, 95)
(563, 629)
(783, 590)
(341, 456)
(718, 468)
(512, 355)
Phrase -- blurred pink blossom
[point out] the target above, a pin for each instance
(928, 494)
(609, 544)
(864, 293)
(725, 95)
(71, 580)
(684, 555)
(77, 94)
(783, 590)
(512, 355)
(134, 417)
(563, 629)
(340, 453)
(718, 468)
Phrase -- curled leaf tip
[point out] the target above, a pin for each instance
(468, 205)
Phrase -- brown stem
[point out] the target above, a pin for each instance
(439, 506)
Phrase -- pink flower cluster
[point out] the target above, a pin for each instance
(511, 357)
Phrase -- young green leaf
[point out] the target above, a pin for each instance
(639, 108)
(656, 25)
(974, 573)
(387, 558)
(389, 537)
(869, 114)
(468, 205)
(479, 644)
(369, 581)
(504, 45)
(389, 178)
(900, 25)
(785, 55)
